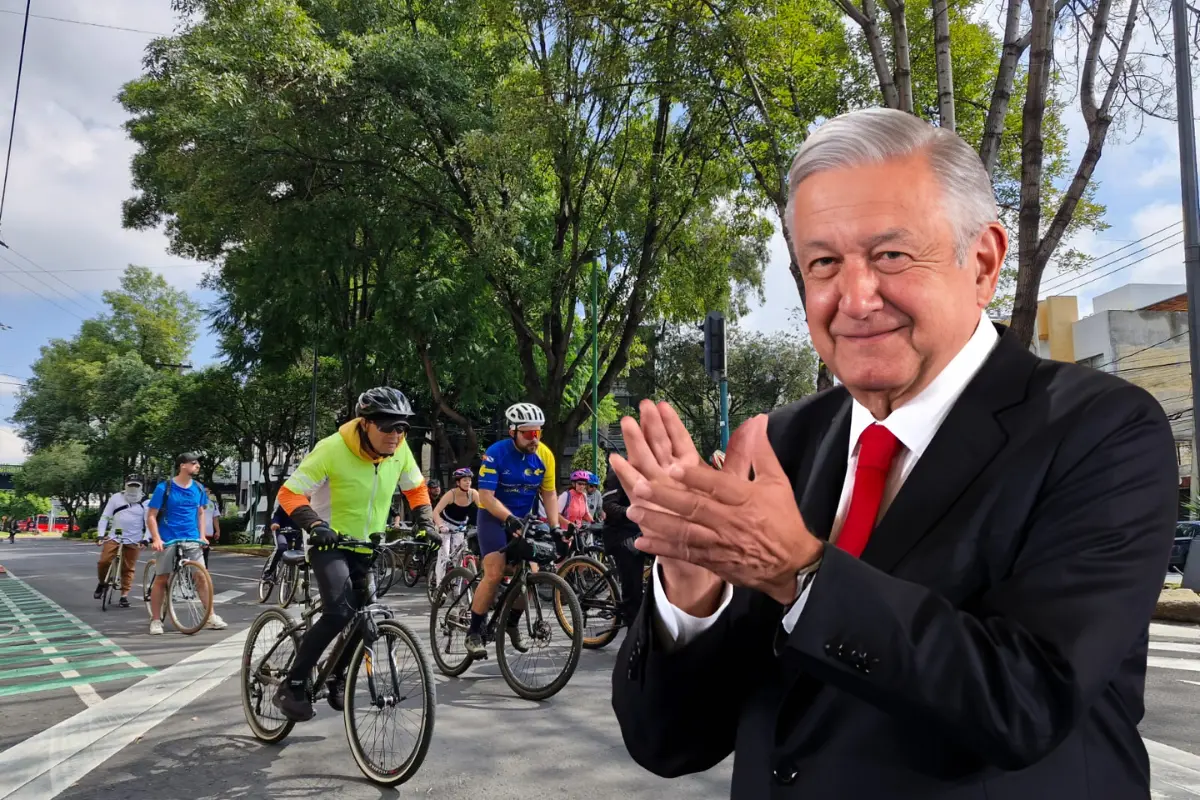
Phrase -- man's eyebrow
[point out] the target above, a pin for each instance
(890, 235)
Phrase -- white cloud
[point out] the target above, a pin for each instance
(12, 447)
(779, 289)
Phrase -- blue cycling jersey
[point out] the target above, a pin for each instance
(517, 477)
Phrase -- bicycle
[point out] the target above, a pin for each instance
(112, 579)
(457, 591)
(189, 591)
(281, 576)
(260, 678)
(466, 555)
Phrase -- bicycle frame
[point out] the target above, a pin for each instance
(362, 625)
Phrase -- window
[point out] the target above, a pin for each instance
(1095, 362)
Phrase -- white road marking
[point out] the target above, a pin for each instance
(85, 692)
(1193, 683)
(131, 660)
(1163, 629)
(1174, 768)
(44, 766)
(1185, 664)
(225, 597)
(241, 578)
(1174, 647)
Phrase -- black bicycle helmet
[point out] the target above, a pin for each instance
(383, 402)
(131, 480)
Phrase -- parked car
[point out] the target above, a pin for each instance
(1185, 531)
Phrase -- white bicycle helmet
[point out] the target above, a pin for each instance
(524, 414)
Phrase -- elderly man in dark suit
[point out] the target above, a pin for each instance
(933, 581)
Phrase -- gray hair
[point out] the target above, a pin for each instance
(875, 135)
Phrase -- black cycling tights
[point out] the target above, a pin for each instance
(343, 579)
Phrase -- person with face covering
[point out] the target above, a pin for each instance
(124, 521)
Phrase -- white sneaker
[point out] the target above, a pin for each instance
(215, 623)
(156, 627)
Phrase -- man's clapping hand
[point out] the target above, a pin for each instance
(707, 526)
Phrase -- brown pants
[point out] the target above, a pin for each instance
(129, 559)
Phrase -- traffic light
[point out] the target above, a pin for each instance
(714, 345)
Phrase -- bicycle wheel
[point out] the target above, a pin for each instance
(190, 597)
(598, 594)
(431, 581)
(288, 582)
(265, 584)
(111, 579)
(266, 659)
(449, 620)
(538, 627)
(389, 683)
(147, 585)
(414, 568)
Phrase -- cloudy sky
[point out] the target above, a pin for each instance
(70, 173)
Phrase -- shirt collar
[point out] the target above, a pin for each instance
(916, 422)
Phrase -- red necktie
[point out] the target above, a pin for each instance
(877, 447)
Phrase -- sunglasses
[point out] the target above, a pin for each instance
(391, 426)
(535, 433)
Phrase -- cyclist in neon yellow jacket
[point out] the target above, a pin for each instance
(345, 486)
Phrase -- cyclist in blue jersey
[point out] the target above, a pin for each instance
(515, 471)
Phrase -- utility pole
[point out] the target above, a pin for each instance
(714, 365)
(595, 370)
(312, 413)
(1191, 238)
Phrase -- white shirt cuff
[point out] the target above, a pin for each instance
(793, 616)
(675, 627)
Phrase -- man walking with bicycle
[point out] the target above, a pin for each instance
(344, 487)
(515, 472)
(176, 522)
(126, 513)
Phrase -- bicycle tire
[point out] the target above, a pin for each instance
(559, 586)
(109, 578)
(445, 666)
(392, 777)
(582, 563)
(431, 585)
(288, 584)
(203, 590)
(148, 586)
(260, 731)
(265, 585)
(414, 568)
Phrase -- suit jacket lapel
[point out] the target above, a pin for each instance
(966, 443)
(818, 496)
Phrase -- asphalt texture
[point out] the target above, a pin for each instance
(488, 743)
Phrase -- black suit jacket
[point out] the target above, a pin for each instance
(991, 641)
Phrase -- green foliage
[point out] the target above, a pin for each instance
(22, 505)
(765, 371)
(63, 471)
(583, 460)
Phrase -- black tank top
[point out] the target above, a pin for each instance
(457, 514)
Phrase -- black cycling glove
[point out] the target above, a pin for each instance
(512, 525)
(322, 535)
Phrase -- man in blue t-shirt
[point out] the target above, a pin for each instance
(180, 528)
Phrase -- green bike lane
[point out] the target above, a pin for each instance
(60, 654)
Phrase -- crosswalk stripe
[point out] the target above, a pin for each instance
(1185, 664)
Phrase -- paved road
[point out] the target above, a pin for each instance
(175, 729)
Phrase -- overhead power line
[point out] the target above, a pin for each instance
(10, 276)
(40, 268)
(1144, 349)
(30, 274)
(12, 128)
(88, 24)
(107, 269)
(1101, 261)
(1063, 283)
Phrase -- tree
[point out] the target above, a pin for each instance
(765, 371)
(151, 318)
(529, 143)
(15, 506)
(62, 471)
(1046, 213)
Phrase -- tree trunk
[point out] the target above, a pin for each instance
(1024, 314)
(993, 127)
(868, 20)
(900, 45)
(443, 407)
(945, 71)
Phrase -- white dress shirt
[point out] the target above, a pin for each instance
(913, 423)
(130, 520)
